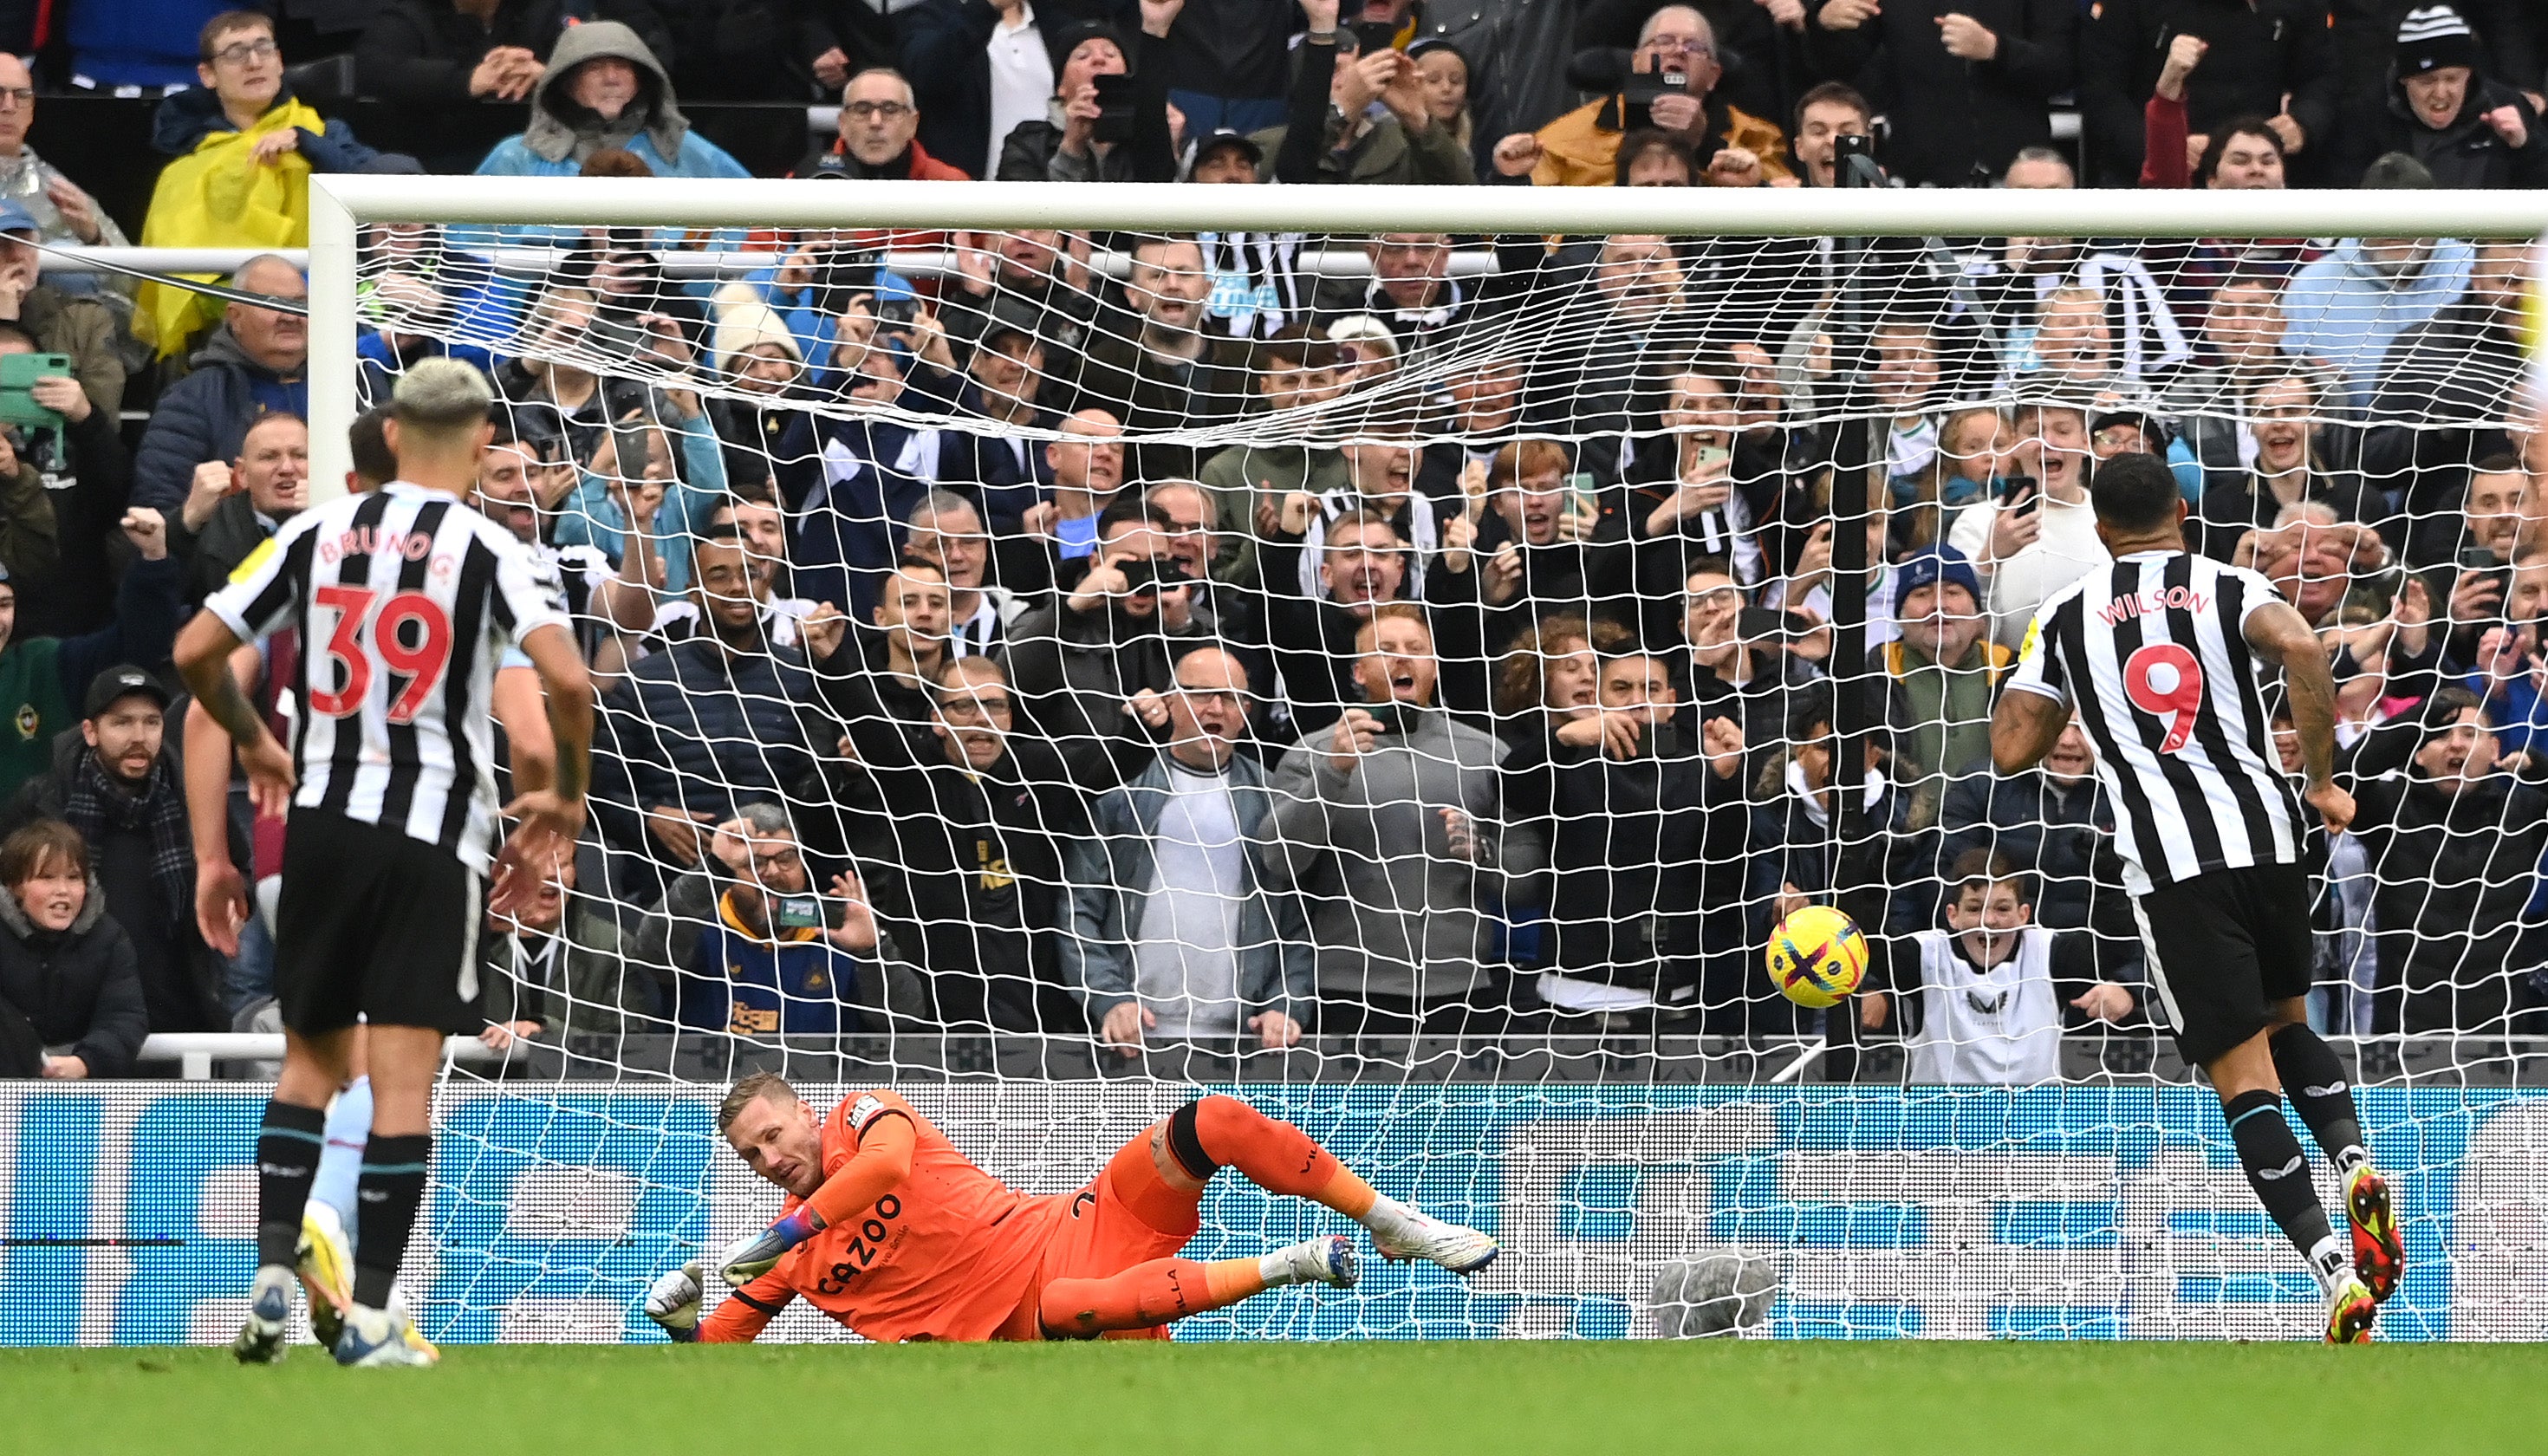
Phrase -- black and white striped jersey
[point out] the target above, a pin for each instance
(2153, 653)
(406, 600)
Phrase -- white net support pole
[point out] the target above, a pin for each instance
(333, 228)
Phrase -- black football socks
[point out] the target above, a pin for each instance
(2279, 1171)
(288, 1147)
(2315, 1081)
(385, 1203)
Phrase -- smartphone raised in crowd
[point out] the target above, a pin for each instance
(1371, 37)
(1639, 92)
(1391, 717)
(1145, 576)
(1114, 109)
(1588, 494)
(18, 376)
(2020, 494)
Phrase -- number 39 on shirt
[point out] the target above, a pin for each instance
(407, 631)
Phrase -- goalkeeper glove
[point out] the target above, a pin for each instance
(755, 1255)
(674, 1301)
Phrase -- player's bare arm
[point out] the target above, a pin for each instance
(203, 657)
(220, 895)
(2024, 728)
(2282, 636)
(551, 811)
(530, 749)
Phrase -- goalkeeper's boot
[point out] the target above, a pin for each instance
(1421, 1236)
(2378, 1255)
(2350, 1308)
(378, 1337)
(1331, 1261)
(269, 1318)
(326, 1268)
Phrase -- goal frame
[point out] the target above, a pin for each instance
(340, 203)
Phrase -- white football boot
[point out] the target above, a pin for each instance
(381, 1337)
(269, 1318)
(1331, 1261)
(1402, 1234)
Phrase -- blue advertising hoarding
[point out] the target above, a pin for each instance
(2079, 1212)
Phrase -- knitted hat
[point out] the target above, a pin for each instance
(742, 325)
(1940, 562)
(1071, 37)
(2433, 36)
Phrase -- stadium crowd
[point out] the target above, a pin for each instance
(974, 657)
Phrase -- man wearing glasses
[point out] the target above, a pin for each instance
(1173, 937)
(1676, 47)
(879, 135)
(244, 149)
(781, 959)
(63, 212)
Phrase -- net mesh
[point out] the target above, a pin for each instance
(1352, 669)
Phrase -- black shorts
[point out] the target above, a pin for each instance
(2223, 947)
(374, 924)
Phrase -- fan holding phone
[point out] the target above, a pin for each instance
(2037, 534)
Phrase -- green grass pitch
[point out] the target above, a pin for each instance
(1335, 1400)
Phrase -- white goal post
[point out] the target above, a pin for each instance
(340, 203)
(1611, 1143)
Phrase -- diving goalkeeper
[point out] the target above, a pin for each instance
(890, 1230)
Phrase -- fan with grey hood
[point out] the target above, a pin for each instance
(561, 130)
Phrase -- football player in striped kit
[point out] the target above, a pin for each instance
(2160, 654)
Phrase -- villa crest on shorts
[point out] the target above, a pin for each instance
(2153, 652)
(406, 600)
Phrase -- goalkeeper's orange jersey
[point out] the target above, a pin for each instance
(950, 1254)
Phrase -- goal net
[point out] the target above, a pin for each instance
(1397, 657)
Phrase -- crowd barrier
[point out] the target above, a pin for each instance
(1910, 1212)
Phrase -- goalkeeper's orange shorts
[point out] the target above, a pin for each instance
(1127, 1215)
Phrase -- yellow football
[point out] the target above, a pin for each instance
(1817, 956)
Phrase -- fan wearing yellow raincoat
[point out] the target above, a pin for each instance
(244, 149)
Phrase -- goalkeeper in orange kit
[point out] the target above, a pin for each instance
(890, 1230)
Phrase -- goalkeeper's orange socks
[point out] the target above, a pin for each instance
(385, 1195)
(1166, 1290)
(288, 1147)
(1216, 1131)
(1143, 1296)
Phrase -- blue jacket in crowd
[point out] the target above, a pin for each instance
(697, 728)
(205, 416)
(793, 982)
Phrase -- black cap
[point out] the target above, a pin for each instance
(114, 685)
(1419, 49)
(1220, 137)
(2154, 436)
(1070, 36)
